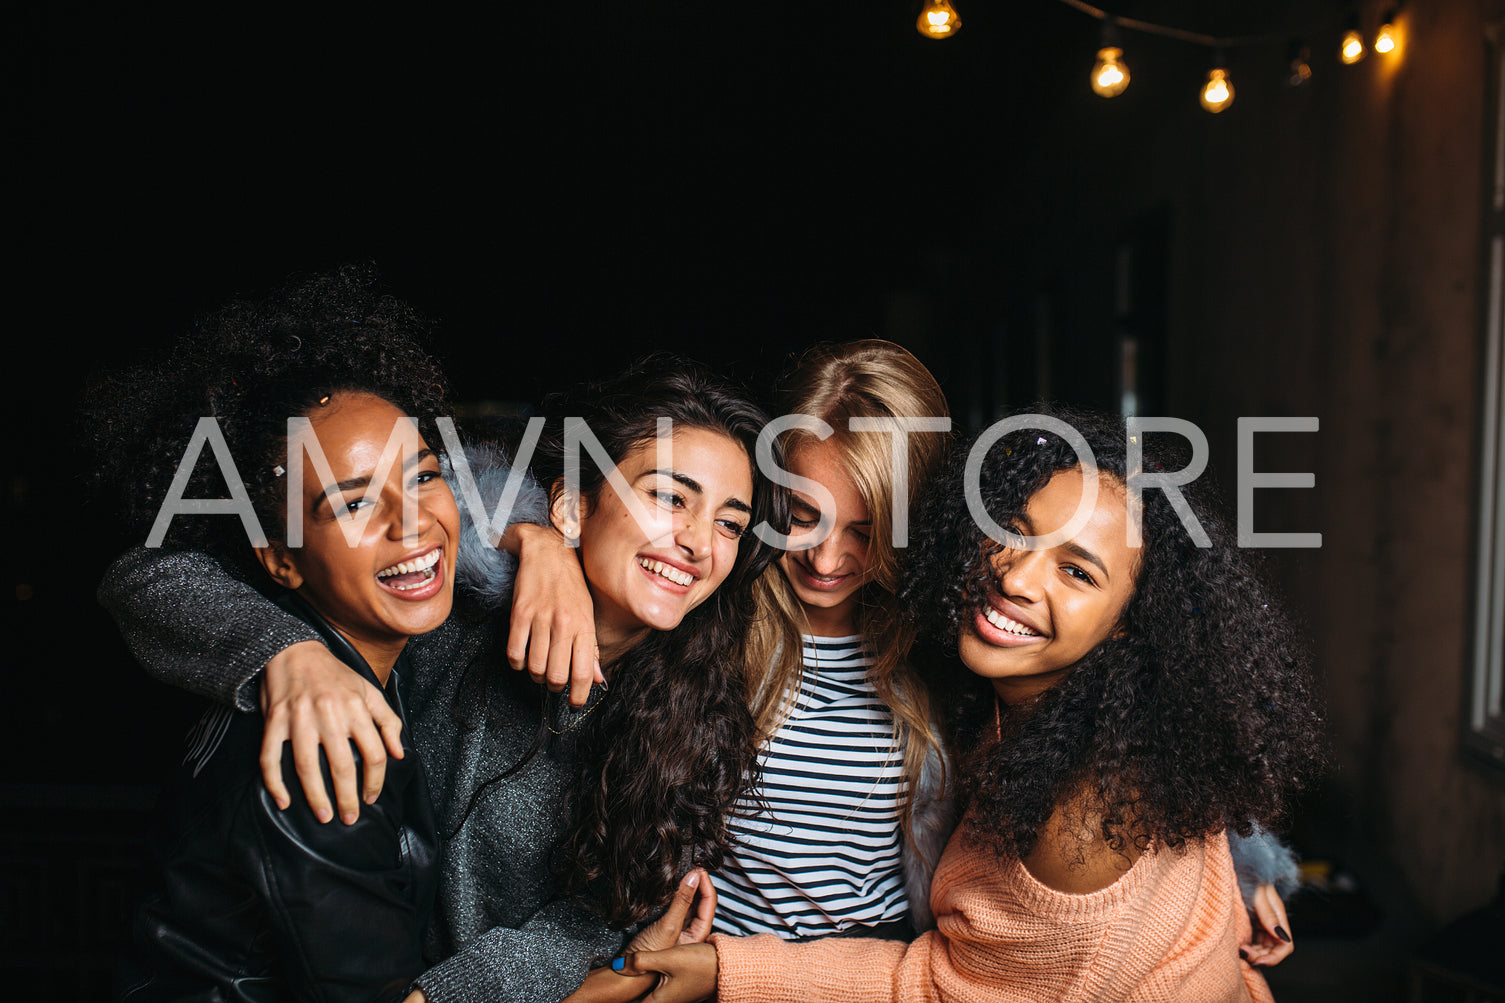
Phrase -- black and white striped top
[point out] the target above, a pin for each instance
(826, 854)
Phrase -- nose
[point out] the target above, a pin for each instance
(1020, 574)
(694, 535)
(411, 517)
(825, 557)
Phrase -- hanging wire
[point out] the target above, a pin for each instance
(1181, 34)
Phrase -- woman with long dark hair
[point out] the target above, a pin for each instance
(564, 825)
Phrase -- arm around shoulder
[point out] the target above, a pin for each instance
(193, 624)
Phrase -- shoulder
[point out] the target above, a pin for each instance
(1072, 856)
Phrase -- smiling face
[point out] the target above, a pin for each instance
(698, 507)
(1048, 608)
(389, 585)
(827, 577)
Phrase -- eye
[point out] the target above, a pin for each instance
(670, 499)
(860, 535)
(733, 528)
(425, 477)
(348, 509)
(802, 523)
(1073, 571)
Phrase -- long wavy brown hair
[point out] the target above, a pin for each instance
(672, 746)
(870, 378)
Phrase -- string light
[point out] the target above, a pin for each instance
(1385, 41)
(1217, 93)
(1110, 76)
(938, 19)
(1352, 48)
(1299, 55)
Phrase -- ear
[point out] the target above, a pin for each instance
(566, 511)
(278, 560)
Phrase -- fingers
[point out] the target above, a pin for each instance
(369, 743)
(705, 912)
(305, 739)
(1273, 944)
(271, 758)
(557, 661)
(673, 919)
(517, 637)
(584, 670)
(639, 963)
(389, 723)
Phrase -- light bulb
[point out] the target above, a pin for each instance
(1352, 49)
(1217, 93)
(1388, 37)
(1109, 75)
(1301, 63)
(938, 19)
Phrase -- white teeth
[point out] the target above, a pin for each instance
(427, 577)
(668, 571)
(1002, 622)
(416, 564)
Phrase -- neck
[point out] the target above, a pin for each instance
(839, 621)
(1014, 691)
(380, 655)
(613, 641)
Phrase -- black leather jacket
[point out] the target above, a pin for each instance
(259, 904)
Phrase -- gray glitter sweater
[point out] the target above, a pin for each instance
(503, 928)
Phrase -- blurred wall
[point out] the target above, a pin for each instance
(1324, 258)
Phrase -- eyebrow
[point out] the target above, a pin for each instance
(1072, 547)
(352, 483)
(796, 499)
(694, 485)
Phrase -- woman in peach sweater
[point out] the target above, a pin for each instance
(1133, 691)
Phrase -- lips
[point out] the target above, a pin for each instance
(1001, 622)
(415, 578)
(671, 573)
(820, 583)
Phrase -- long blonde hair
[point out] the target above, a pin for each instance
(835, 383)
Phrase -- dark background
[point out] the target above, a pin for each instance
(565, 188)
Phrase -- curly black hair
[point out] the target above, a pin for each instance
(251, 366)
(672, 747)
(1198, 716)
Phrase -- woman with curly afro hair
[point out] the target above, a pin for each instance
(1125, 702)
(560, 826)
(246, 904)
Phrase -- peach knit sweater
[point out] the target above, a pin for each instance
(1167, 930)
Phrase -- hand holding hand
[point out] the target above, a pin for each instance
(686, 973)
(313, 699)
(669, 929)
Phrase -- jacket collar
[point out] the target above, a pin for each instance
(338, 646)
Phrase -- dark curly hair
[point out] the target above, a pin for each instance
(251, 366)
(672, 747)
(1198, 716)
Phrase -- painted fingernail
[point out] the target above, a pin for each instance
(617, 964)
(693, 879)
(1280, 932)
(1243, 954)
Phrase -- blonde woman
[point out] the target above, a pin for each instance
(848, 821)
